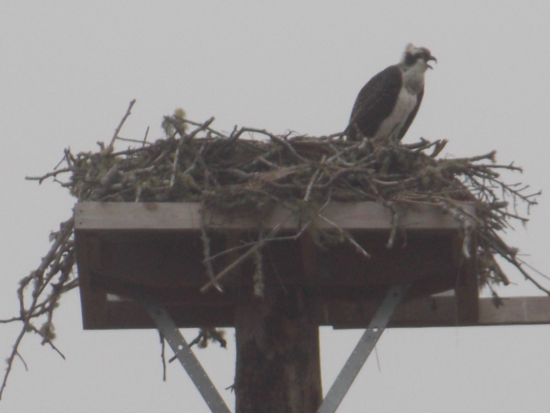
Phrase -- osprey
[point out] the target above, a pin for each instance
(388, 103)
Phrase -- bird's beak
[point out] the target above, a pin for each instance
(431, 58)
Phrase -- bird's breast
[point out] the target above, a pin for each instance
(392, 125)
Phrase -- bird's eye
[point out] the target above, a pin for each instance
(410, 59)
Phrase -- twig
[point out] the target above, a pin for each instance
(23, 361)
(208, 128)
(145, 137)
(467, 223)
(206, 250)
(396, 213)
(131, 140)
(313, 181)
(26, 314)
(279, 140)
(163, 355)
(244, 256)
(533, 268)
(349, 238)
(40, 179)
(117, 130)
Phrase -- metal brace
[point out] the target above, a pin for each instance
(341, 385)
(363, 348)
(183, 352)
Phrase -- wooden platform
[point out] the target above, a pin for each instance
(154, 250)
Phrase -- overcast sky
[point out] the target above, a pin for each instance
(68, 70)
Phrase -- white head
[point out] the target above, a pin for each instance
(416, 57)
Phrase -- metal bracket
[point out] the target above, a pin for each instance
(183, 352)
(341, 385)
(363, 348)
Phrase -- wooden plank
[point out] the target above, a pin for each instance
(93, 300)
(186, 216)
(132, 315)
(420, 313)
(126, 246)
(466, 287)
(442, 312)
(136, 216)
(516, 310)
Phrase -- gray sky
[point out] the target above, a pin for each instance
(68, 70)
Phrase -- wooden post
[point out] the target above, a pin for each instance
(467, 287)
(278, 364)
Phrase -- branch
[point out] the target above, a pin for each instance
(117, 130)
(243, 257)
(52, 259)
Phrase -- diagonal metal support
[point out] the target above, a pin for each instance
(183, 352)
(363, 348)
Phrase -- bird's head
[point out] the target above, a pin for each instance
(417, 56)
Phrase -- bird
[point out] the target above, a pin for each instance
(386, 106)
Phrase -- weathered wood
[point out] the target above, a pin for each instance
(419, 313)
(441, 311)
(467, 286)
(94, 310)
(155, 249)
(168, 266)
(516, 310)
(278, 362)
(186, 217)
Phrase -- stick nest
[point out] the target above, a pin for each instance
(234, 173)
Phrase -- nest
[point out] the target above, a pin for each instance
(252, 170)
(236, 174)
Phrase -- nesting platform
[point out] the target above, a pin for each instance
(154, 250)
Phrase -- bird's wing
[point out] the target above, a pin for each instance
(411, 116)
(375, 102)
